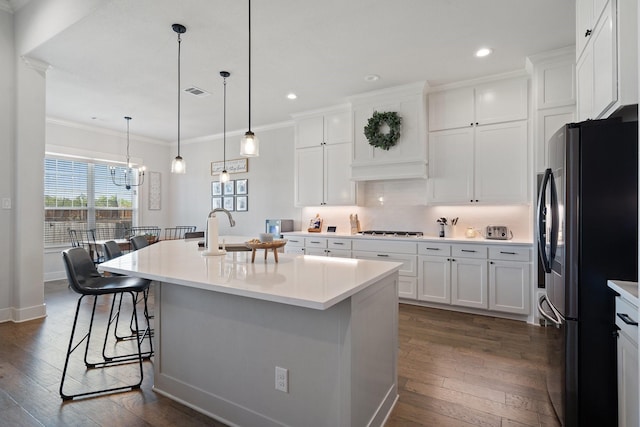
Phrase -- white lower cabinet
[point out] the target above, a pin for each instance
(510, 279)
(495, 278)
(469, 276)
(626, 316)
(404, 252)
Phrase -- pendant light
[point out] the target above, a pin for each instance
(224, 175)
(249, 144)
(127, 176)
(178, 164)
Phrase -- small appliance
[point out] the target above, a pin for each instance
(498, 232)
(278, 226)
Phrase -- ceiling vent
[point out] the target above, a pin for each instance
(196, 91)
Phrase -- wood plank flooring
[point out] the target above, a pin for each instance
(454, 370)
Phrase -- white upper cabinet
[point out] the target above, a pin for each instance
(607, 52)
(487, 103)
(323, 159)
(478, 144)
(327, 128)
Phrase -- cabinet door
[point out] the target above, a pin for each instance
(450, 166)
(584, 23)
(501, 101)
(337, 127)
(469, 282)
(509, 287)
(338, 188)
(584, 81)
(451, 109)
(605, 69)
(315, 251)
(309, 132)
(309, 182)
(338, 253)
(501, 163)
(627, 381)
(435, 279)
(407, 287)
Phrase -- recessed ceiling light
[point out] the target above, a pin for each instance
(291, 95)
(485, 51)
(371, 78)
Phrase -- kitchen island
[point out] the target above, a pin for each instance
(223, 325)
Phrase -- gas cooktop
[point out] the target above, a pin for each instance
(391, 233)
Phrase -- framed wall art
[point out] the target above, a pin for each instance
(241, 186)
(233, 166)
(228, 203)
(216, 188)
(241, 204)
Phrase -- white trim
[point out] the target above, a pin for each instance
(486, 79)
(217, 136)
(16, 315)
(59, 151)
(341, 107)
(36, 64)
(103, 131)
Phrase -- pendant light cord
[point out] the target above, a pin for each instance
(249, 65)
(179, 43)
(224, 128)
(128, 162)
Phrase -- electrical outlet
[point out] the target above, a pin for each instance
(282, 379)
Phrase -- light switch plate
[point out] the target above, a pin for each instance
(6, 203)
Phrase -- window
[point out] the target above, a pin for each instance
(81, 195)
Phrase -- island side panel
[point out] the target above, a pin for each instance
(374, 344)
(217, 353)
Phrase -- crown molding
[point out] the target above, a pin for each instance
(36, 64)
(103, 131)
(255, 129)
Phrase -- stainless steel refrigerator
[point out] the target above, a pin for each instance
(587, 233)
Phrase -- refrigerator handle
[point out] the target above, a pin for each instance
(556, 319)
(541, 217)
(555, 220)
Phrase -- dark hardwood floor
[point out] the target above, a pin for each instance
(454, 370)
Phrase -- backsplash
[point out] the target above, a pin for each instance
(400, 205)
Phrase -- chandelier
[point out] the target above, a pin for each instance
(126, 180)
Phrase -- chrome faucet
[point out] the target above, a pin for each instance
(213, 212)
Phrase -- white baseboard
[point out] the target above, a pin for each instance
(13, 314)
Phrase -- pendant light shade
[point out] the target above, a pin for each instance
(224, 175)
(178, 164)
(126, 180)
(249, 144)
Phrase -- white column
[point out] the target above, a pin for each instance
(28, 295)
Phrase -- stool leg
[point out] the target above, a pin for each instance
(136, 334)
(72, 348)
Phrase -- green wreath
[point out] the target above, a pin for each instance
(383, 140)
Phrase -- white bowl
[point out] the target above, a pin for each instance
(266, 237)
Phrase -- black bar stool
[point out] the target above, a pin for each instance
(87, 281)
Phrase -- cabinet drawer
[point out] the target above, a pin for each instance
(315, 242)
(409, 262)
(435, 249)
(469, 251)
(385, 246)
(630, 313)
(339, 244)
(295, 241)
(510, 253)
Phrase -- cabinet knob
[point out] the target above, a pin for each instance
(476, 123)
(490, 262)
(471, 124)
(587, 33)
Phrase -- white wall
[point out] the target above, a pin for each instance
(270, 181)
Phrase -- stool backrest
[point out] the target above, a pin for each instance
(111, 249)
(139, 242)
(194, 234)
(79, 267)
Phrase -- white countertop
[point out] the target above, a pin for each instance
(302, 280)
(628, 290)
(425, 238)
